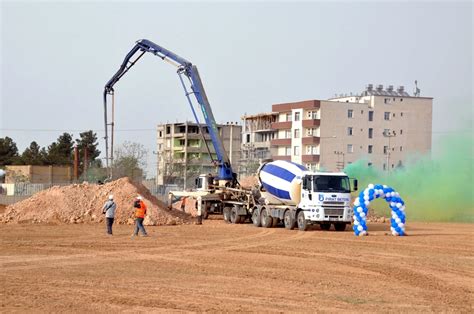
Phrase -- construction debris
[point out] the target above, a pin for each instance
(82, 203)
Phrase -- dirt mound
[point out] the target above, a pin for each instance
(187, 205)
(248, 182)
(82, 203)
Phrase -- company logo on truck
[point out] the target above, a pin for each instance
(333, 197)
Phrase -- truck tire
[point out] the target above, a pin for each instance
(256, 218)
(226, 213)
(340, 226)
(275, 222)
(288, 220)
(301, 221)
(266, 219)
(325, 226)
(205, 210)
(234, 216)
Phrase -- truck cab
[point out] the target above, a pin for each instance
(326, 199)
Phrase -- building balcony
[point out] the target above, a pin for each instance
(255, 145)
(310, 158)
(310, 123)
(310, 140)
(195, 149)
(286, 158)
(281, 142)
(281, 125)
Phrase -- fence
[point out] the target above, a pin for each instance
(16, 192)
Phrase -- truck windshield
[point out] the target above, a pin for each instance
(331, 184)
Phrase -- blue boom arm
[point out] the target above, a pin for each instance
(190, 72)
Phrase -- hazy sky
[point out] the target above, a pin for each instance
(57, 56)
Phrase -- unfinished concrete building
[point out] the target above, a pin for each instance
(257, 134)
(183, 154)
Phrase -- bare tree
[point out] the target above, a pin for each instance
(130, 160)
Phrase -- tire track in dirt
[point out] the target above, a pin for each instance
(10, 263)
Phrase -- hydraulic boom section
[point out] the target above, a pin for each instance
(191, 74)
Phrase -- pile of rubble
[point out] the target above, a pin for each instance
(82, 203)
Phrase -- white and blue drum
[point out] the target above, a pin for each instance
(282, 181)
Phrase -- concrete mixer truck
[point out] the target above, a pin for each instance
(300, 198)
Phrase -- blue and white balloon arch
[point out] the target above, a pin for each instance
(361, 209)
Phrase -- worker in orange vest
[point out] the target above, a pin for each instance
(140, 212)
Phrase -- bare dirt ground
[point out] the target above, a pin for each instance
(219, 267)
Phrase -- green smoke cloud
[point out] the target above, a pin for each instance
(437, 188)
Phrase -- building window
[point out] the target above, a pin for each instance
(350, 148)
(297, 133)
(371, 116)
(401, 132)
(401, 148)
(369, 164)
(288, 151)
(248, 138)
(401, 114)
(401, 99)
(288, 117)
(369, 150)
(168, 130)
(160, 134)
(350, 113)
(349, 131)
(287, 133)
(160, 146)
(386, 116)
(362, 112)
(393, 115)
(386, 100)
(297, 116)
(296, 150)
(371, 133)
(385, 150)
(384, 167)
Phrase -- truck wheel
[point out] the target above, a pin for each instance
(266, 219)
(234, 216)
(325, 226)
(301, 220)
(226, 212)
(289, 222)
(256, 218)
(205, 211)
(341, 226)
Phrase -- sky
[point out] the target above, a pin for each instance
(56, 57)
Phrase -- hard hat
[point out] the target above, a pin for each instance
(139, 197)
(111, 197)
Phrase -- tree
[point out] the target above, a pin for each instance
(129, 160)
(60, 152)
(34, 155)
(8, 152)
(88, 143)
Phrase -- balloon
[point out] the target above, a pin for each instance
(370, 186)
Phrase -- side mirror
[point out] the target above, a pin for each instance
(355, 185)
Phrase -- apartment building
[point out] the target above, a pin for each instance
(382, 126)
(257, 134)
(182, 151)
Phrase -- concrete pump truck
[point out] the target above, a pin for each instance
(288, 192)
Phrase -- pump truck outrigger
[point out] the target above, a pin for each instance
(222, 193)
